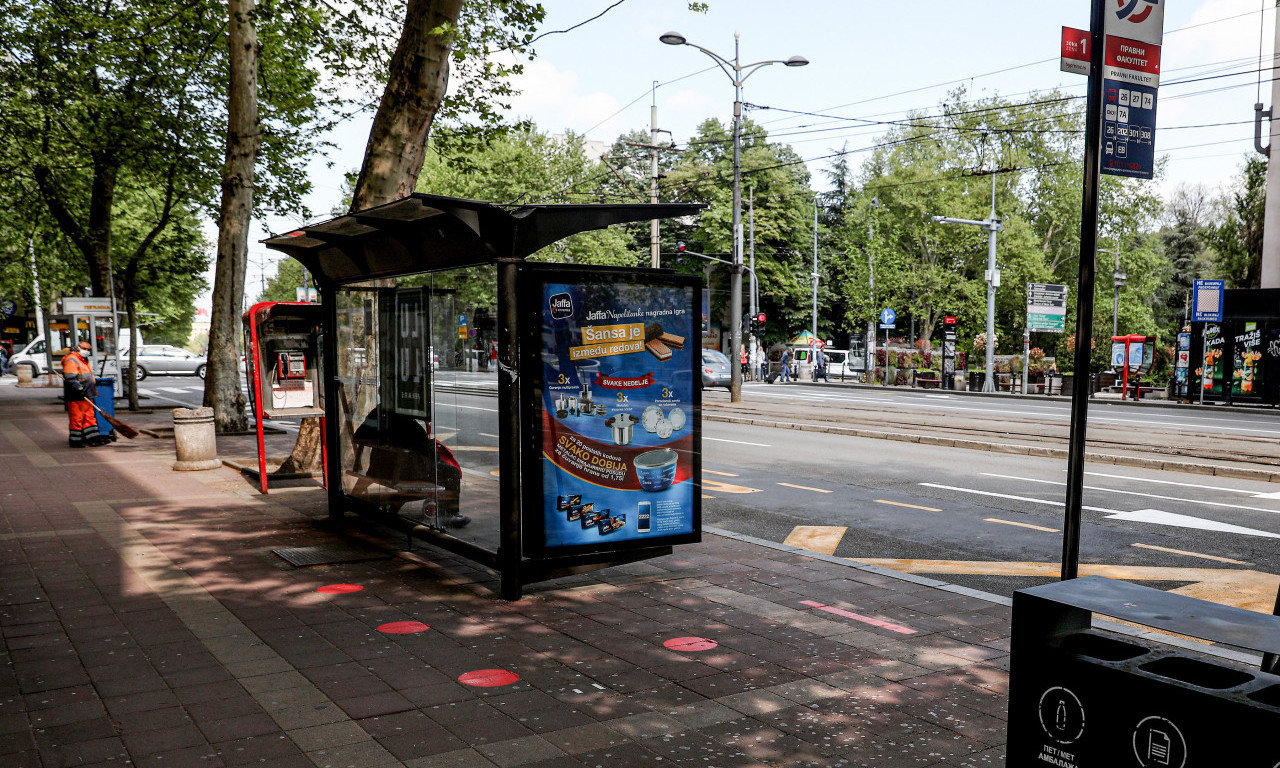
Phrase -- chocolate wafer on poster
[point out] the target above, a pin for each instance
(658, 350)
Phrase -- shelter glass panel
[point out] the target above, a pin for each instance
(418, 416)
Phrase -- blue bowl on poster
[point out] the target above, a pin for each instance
(656, 470)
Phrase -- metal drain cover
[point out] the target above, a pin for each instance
(325, 554)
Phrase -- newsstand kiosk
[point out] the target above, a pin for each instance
(580, 451)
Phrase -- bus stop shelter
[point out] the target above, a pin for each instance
(579, 449)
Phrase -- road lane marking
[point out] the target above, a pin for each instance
(1136, 493)
(816, 538)
(1169, 482)
(737, 442)
(713, 472)
(908, 506)
(1252, 590)
(174, 390)
(1022, 525)
(859, 617)
(805, 488)
(705, 496)
(1190, 554)
(938, 397)
(716, 485)
(1011, 497)
(1171, 519)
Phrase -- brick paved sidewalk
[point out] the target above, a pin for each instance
(146, 621)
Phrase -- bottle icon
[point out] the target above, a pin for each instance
(1060, 716)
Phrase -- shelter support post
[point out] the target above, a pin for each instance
(509, 547)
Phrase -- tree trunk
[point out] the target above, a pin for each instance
(131, 369)
(417, 80)
(222, 377)
(416, 83)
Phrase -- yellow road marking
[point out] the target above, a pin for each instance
(1024, 525)
(494, 473)
(1191, 554)
(705, 496)
(816, 538)
(722, 474)
(805, 488)
(716, 485)
(908, 506)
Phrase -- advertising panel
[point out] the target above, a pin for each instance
(1246, 374)
(617, 407)
(412, 378)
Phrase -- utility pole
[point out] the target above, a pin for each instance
(1271, 215)
(754, 299)
(654, 239)
(815, 270)
(1119, 280)
(992, 225)
(870, 344)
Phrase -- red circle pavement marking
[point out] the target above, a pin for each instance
(403, 627)
(339, 589)
(690, 644)
(488, 678)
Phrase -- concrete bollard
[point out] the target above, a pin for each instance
(24, 376)
(194, 439)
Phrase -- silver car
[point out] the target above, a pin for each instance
(164, 359)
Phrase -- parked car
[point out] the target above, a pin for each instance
(167, 360)
(716, 371)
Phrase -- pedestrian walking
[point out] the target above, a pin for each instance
(786, 364)
(79, 388)
(819, 365)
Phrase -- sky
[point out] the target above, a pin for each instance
(867, 60)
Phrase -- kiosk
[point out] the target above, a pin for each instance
(585, 451)
(282, 365)
(1238, 358)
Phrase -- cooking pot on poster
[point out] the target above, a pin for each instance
(656, 470)
(622, 424)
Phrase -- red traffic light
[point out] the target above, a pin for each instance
(760, 317)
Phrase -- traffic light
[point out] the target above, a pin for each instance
(757, 325)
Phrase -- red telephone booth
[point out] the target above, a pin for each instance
(282, 365)
(1132, 354)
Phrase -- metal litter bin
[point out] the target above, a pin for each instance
(106, 400)
(1084, 697)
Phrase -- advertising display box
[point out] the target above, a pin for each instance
(1082, 697)
(614, 452)
(1238, 358)
(585, 413)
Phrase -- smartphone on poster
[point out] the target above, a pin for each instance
(642, 516)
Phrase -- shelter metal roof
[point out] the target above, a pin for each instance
(423, 233)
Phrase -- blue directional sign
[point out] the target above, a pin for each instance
(888, 316)
(1206, 301)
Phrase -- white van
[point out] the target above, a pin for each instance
(33, 354)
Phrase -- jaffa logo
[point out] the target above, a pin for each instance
(1126, 10)
(561, 306)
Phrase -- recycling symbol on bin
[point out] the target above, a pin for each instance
(1061, 715)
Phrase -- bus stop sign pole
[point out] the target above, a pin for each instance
(1084, 301)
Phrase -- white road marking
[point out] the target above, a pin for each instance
(1186, 521)
(1136, 493)
(175, 390)
(938, 397)
(1174, 482)
(737, 442)
(1016, 498)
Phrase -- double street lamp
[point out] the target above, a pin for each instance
(738, 73)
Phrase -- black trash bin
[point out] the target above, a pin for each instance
(1086, 697)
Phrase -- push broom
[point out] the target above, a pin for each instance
(118, 425)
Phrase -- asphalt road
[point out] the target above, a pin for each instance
(987, 520)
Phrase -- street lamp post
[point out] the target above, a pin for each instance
(992, 225)
(738, 73)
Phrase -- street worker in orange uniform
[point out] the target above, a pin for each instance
(78, 388)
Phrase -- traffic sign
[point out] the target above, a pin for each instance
(1206, 301)
(888, 317)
